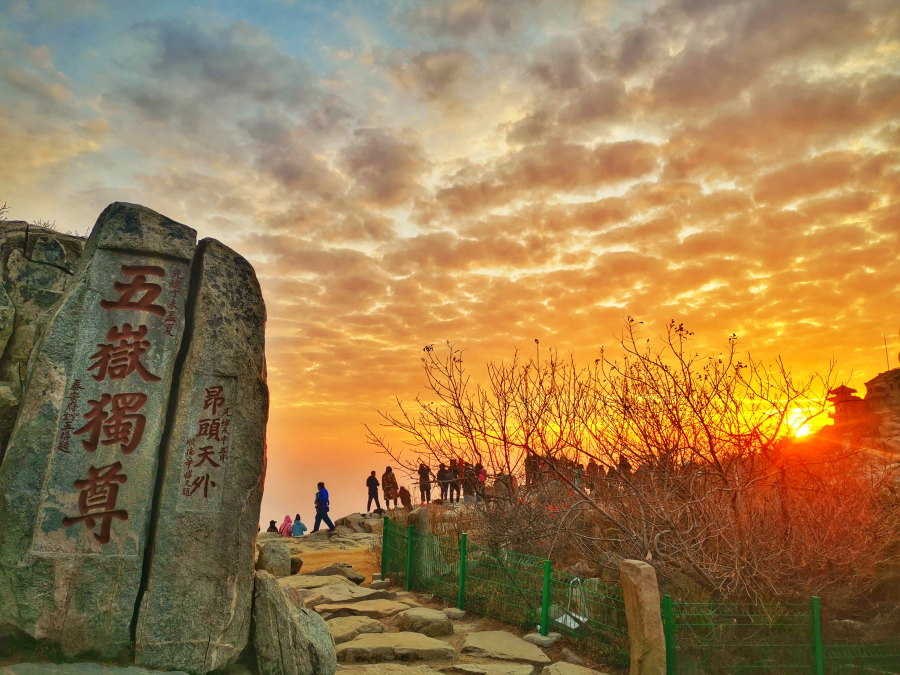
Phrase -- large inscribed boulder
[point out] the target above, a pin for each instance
(78, 479)
(195, 612)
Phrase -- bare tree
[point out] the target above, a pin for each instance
(684, 460)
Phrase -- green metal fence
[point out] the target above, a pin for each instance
(725, 638)
(701, 638)
(516, 588)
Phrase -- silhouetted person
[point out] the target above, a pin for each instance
(624, 467)
(389, 487)
(272, 527)
(425, 483)
(372, 483)
(298, 528)
(454, 480)
(322, 509)
(443, 476)
(469, 481)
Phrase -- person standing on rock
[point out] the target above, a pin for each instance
(285, 529)
(390, 487)
(454, 480)
(425, 483)
(372, 483)
(298, 528)
(443, 477)
(322, 509)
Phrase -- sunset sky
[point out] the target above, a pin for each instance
(482, 171)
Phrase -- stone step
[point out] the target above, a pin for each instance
(489, 669)
(374, 609)
(375, 648)
(346, 628)
(499, 644)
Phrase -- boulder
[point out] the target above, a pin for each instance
(499, 644)
(308, 581)
(296, 564)
(288, 640)
(78, 478)
(78, 669)
(568, 669)
(380, 585)
(345, 628)
(374, 609)
(454, 613)
(373, 647)
(275, 558)
(489, 669)
(430, 622)
(420, 519)
(212, 479)
(343, 594)
(340, 569)
(642, 612)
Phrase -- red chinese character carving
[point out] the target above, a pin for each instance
(138, 284)
(122, 355)
(210, 429)
(97, 500)
(120, 425)
(206, 456)
(205, 483)
(214, 399)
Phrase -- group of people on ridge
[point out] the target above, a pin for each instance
(452, 480)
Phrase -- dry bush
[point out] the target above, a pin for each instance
(688, 462)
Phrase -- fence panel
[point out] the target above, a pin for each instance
(394, 542)
(591, 610)
(725, 638)
(862, 659)
(505, 585)
(436, 565)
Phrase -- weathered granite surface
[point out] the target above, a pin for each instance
(78, 478)
(288, 640)
(195, 612)
(36, 264)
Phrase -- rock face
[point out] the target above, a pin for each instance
(275, 558)
(372, 647)
(342, 569)
(430, 622)
(296, 564)
(212, 483)
(345, 628)
(78, 479)
(36, 265)
(498, 644)
(420, 519)
(642, 611)
(288, 640)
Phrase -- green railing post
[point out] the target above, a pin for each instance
(818, 651)
(545, 599)
(384, 548)
(463, 570)
(668, 617)
(409, 556)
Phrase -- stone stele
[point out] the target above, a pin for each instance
(195, 613)
(78, 478)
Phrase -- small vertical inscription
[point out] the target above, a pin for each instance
(205, 454)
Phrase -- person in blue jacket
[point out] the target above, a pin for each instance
(322, 509)
(298, 528)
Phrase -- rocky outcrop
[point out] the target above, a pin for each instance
(36, 266)
(78, 480)
(212, 480)
(374, 609)
(288, 640)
